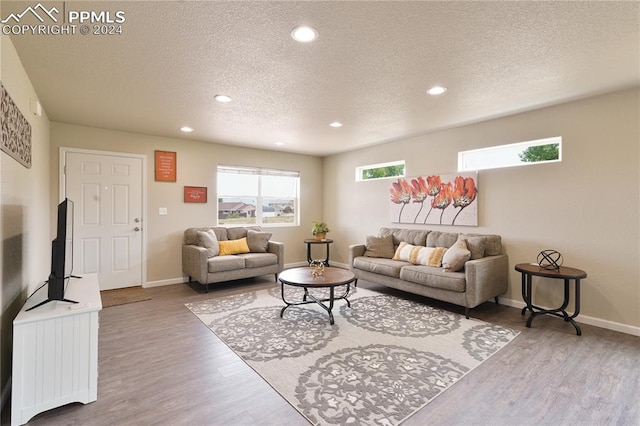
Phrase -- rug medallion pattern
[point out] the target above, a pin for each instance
(375, 384)
(399, 317)
(382, 360)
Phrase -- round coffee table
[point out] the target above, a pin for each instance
(331, 278)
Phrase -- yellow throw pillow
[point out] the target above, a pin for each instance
(234, 246)
(419, 255)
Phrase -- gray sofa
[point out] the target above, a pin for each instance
(481, 278)
(202, 262)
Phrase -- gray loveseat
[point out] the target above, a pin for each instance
(204, 260)
(482, 277)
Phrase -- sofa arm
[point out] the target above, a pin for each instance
(277, 249)
(486, 278)
(194, 262)
(356, 250)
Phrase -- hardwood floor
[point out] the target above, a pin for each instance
(158, 364)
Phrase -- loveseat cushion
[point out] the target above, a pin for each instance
(239, 232)
(258, 260)
(209, 241)
(378, 265)
(225, 263)
(434, 277)
(258, 241)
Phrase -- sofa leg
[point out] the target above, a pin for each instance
(466, 312)
(189, 278)
(496, 298)
(355, 283)
(276, 277)
(206, 288)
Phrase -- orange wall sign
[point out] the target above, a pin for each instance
(195, 194)
(165, 166)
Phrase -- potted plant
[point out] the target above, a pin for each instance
(320, 230)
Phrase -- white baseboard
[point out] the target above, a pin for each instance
(165, 282)
(582, 319)
(5, 394)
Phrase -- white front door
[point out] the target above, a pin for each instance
(106, 190)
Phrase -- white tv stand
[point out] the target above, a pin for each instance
(55, 351)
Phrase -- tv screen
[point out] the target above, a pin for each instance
(61, 254)
(62, 251)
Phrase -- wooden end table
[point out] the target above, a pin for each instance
(331, 278)
(311, 241)
(565, 273)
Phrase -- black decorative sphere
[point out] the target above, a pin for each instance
(550, 259)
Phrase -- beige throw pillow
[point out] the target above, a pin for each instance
(208, 240)
(456, 256)
(258, 241)
(475, 245)
(419, 255)
(379, 246)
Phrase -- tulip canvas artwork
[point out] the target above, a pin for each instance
(447, 199)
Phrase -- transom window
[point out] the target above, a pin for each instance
(516, 154)
(380, 171)
(257, 196)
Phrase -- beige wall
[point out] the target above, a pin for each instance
(586, 206)
(24, 209)
(196, 166)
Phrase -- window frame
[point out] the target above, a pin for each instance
(508, 147)
(259, 172)
(360, 169)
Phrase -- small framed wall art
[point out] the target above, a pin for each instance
(195, 194)
(165, 166)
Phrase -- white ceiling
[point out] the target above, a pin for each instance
(369, 68)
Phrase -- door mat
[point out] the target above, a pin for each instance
(122, 296)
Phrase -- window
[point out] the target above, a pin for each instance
(380, 171)
(515, 154)
(256, 196)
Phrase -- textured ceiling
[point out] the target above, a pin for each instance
(369, 68)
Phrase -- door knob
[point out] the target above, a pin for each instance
(136, 229)
(136, 220)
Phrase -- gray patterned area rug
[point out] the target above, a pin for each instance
(384, 358)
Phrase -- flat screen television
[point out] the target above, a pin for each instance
(61, 255)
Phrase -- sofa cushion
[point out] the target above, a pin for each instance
(225, 263)
(379, 246)
(418, 255)
(240, 231)
(258, 241)
(411, 236)
(493, 243)
(378, 265)
(257, 260)
(233, 247)
(476, 245)
(209, 241)
(456, 256)
(441, 239)
(434, 277)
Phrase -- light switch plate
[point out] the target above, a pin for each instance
(162, 211)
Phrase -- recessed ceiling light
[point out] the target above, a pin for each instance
(186, 129)
(304, 34)
(279, 143)
(437, 90)
(222, 98)
(335, 124)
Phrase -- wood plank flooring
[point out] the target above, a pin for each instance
(158, 364)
